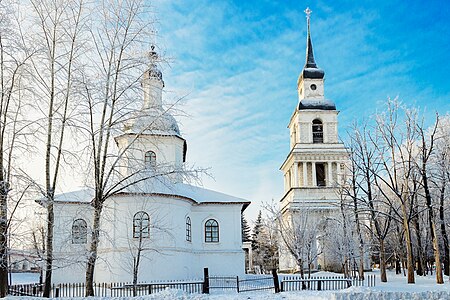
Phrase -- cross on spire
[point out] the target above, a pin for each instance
(308, 12)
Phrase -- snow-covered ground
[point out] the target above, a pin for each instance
(395, 288)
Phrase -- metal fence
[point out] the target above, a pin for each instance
(296, 283)
(255, 284)
(230, 283)
(117, 289)
(223, 282)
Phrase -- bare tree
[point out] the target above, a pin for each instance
(426, 149)
(58, 23)
(442, 180)
(396, 154)
(14, 57)
(351, 191)
(298, 233)
(365, 166)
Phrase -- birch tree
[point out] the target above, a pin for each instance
(58, 26)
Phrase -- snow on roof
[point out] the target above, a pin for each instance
(322, 104)
(195, 193)
(83, 195)
(159, 187)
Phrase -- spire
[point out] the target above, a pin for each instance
(310, 70)
(310, 63)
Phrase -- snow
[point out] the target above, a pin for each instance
(395, 288)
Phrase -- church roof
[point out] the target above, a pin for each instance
(196, 194)
(321, 104)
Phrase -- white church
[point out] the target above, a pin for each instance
(316, 161)
(173, 228)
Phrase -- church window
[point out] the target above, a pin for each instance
(320, 174)
(317, 131)
(211, 231)
(141, 225)
(188, 229)
(150, 159)
(79, 231)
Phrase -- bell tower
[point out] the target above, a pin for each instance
(315, 164)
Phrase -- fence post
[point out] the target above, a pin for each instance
(57, 292)
(205, 281)
(276, 282)
(237, 283)
(319, 285)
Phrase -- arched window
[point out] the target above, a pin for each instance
(141, 225)
(150, 159)
(317, 131)
(79, 231)
(211, 231)
(188, 229)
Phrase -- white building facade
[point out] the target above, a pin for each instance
(172, 228)
(316, 162)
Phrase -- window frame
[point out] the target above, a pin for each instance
(79, 232)
(188, 229)
(140, 230)
(211, 227)
(150, 159)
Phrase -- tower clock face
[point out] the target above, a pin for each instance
(313, 87)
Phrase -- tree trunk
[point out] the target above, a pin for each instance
(398, 264)
(409, 251)
(431, 223)
(49, 246)
(382, 261)
(3, 241)
(444, 232)
(93, 249)
(137, 261)
(420, 257)
(358, 231)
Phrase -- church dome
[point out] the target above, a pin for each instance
(152, 121)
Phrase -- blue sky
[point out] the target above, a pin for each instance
(237, 63)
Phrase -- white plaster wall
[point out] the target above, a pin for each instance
(70, 259)
(168, 150)
(305, 91)
(176, 258)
